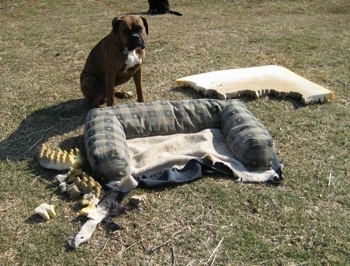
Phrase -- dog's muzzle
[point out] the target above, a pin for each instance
(135, 41)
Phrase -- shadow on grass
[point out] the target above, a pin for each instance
(43, 125)
(189, 92)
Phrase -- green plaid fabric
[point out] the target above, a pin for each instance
(166, 118)
(247, 138)
(107, 129)
(106, 147)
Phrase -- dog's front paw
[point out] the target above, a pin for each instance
(128, 94)
(123, 94)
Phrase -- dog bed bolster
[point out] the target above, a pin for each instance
(247, 138)
(106, 147)
(166, 118)
(106, 131)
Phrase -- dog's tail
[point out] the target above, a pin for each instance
(175, 13)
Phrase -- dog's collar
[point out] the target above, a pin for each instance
(124, 49)
(120, 46)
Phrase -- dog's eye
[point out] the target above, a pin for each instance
(127, 31)
(138, 29)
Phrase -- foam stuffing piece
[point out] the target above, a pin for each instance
(46, 211)
(59, 159)
(257, 81)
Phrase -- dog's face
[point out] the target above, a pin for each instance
(130, 31)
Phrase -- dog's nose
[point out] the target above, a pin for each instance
(136, 42)
(136, 38)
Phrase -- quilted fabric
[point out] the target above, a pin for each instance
(107, 129)
(105, 141)
(166, 118)
(247, 138)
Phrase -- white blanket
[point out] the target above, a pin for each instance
(152, 155)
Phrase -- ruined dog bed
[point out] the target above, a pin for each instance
(108, 130)
(243, 149)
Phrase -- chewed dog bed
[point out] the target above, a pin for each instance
(216, 136)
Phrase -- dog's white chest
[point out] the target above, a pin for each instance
(132, 60)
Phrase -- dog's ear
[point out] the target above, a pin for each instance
(145, 23)
(115, 24)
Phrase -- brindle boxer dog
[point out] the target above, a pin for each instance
(114, 60)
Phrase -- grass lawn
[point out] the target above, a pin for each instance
(214, 221)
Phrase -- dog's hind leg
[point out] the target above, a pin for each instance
(93, 90)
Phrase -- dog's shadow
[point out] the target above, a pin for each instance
(43, 125)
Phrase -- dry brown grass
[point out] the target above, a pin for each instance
(214, 221)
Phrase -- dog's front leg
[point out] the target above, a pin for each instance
(110, 89)
(138, 83)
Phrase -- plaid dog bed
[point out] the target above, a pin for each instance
(107, 129)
